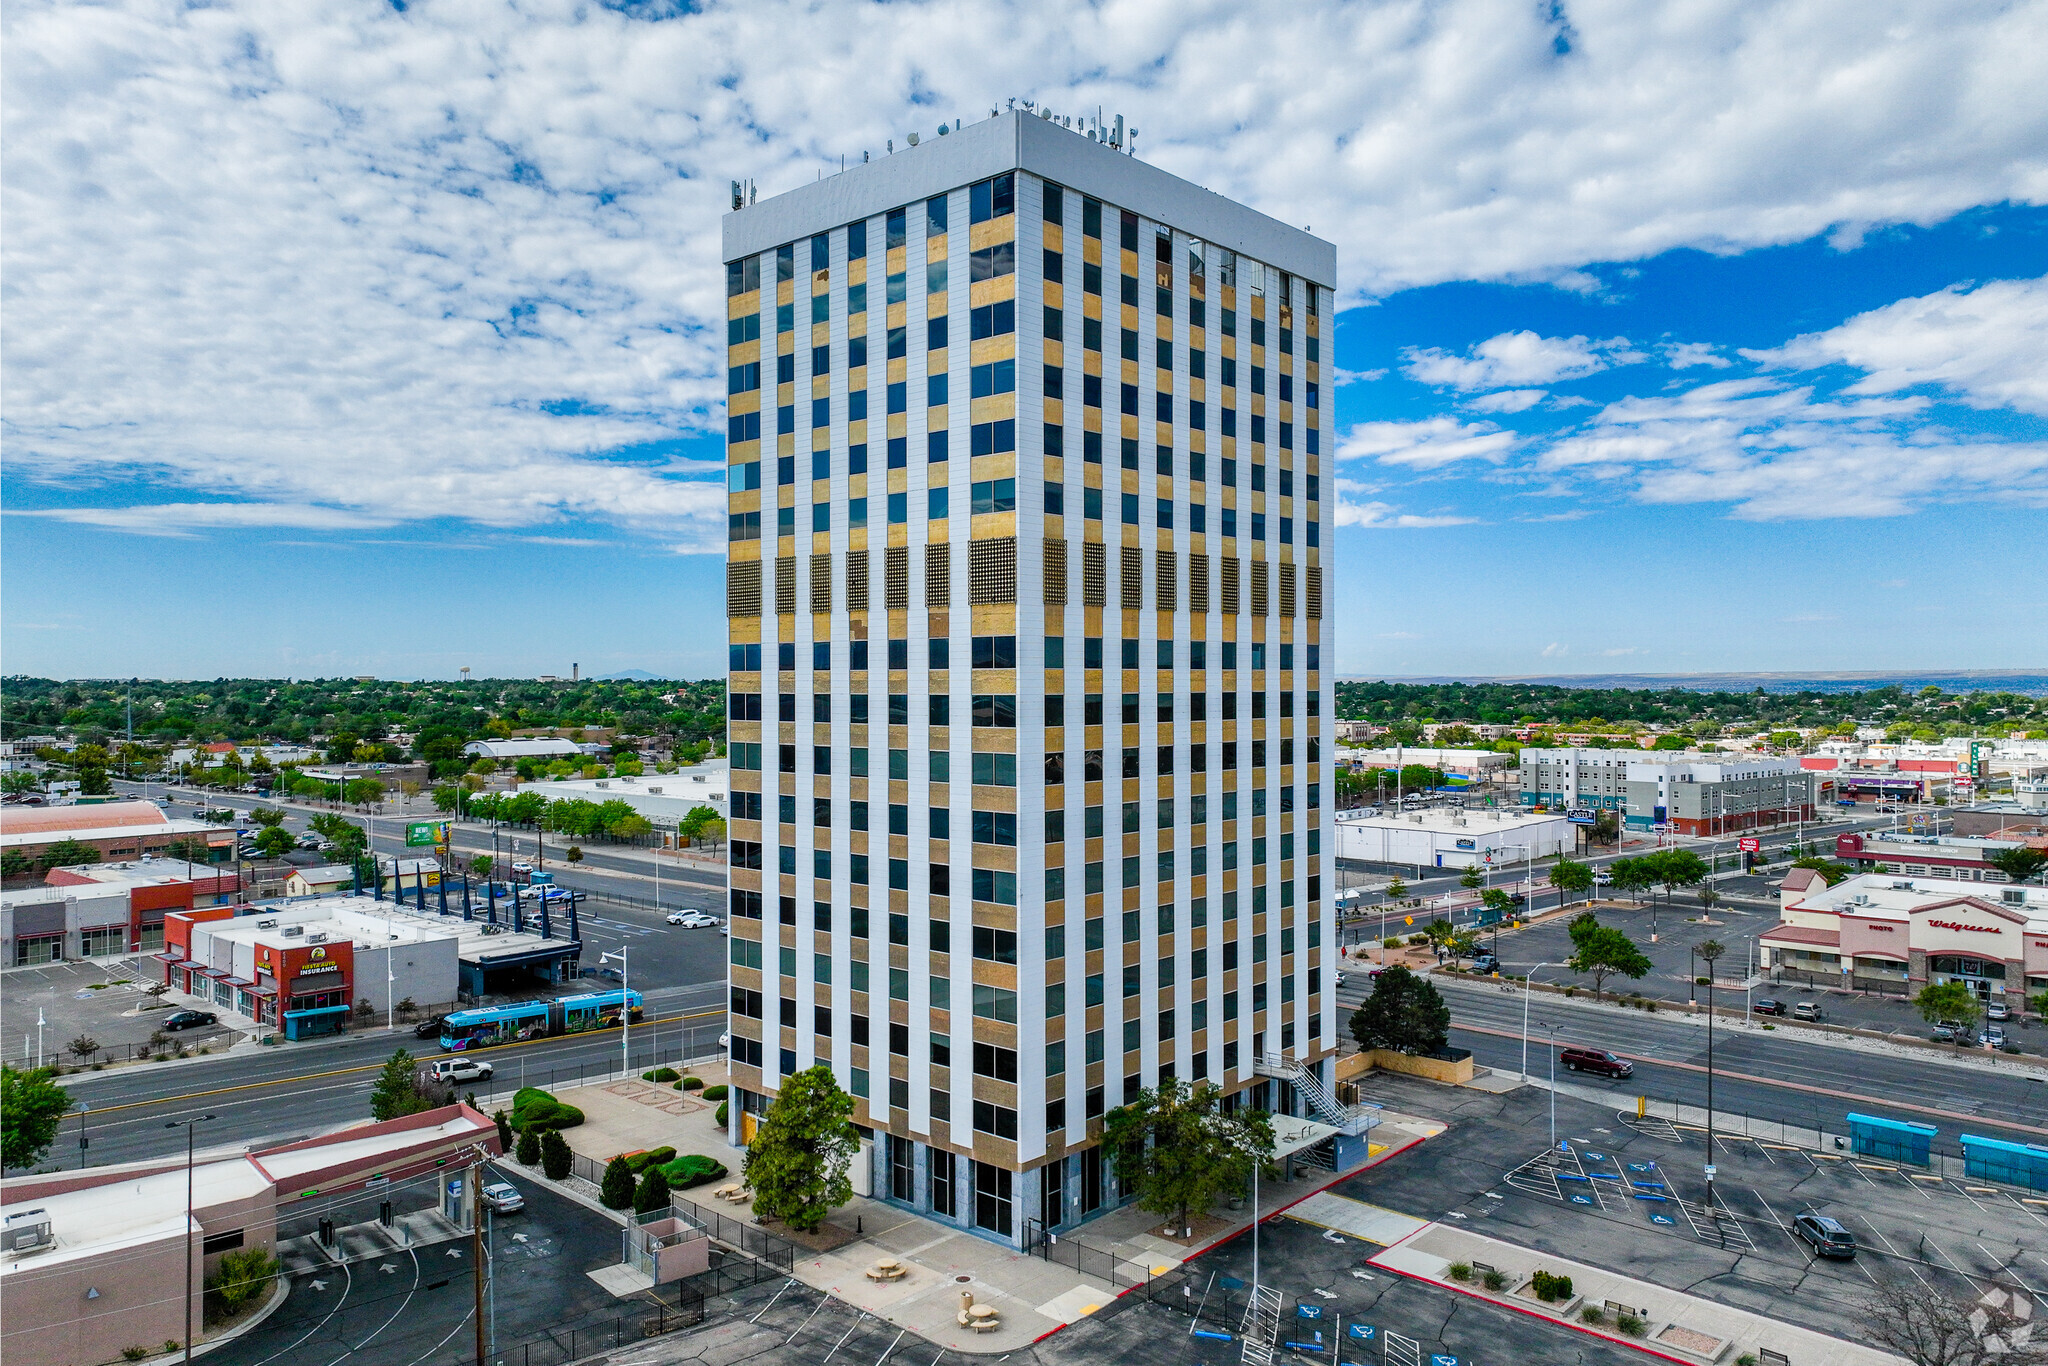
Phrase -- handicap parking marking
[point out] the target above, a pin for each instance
(1362, 1332)
(1657, 1218)
(1581, 1199)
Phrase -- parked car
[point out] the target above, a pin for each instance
(1596, 1060)
(504, 1197)
(693, 920)
(1768, 1007)
(1603, 878)
(309, 840)
(1826, 1236)
(461, 1069)
(1997, 1010)
(1339, 978)
(1945, 1031)
(522, 866)
(428, 1028)
(1806, 1010)
(1992, 1037)
(1485, 962)
(190, 1019)
(608, 974)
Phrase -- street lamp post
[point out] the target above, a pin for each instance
(1710, 951)
(84, 1141)
(1528, 989)
(625, 1007)
(188, 1125)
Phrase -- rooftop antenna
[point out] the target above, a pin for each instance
(892, 147)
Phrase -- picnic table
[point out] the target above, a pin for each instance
(887, 1269)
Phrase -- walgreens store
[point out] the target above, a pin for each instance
(1891, 934)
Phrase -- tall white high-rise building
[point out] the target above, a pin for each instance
(1028, 691)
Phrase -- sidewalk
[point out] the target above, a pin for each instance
(1035, 1295)
(1676, 1326)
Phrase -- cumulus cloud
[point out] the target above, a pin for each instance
(458, 258)
(1988, 346)
(1507, 400)
(1380, 516)
(1516, 358)
(1685, 355)
(1782, 453)
(1429, 444)
(187, 519)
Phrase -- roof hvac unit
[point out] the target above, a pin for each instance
(294, 931)
(266, 924)
(1902, 885)
(26, 1231)
(316, 939)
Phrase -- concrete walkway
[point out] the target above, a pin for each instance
(1676, 1326)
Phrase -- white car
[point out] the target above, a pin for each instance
(504, 1197)
(693, 920)
(522, 866)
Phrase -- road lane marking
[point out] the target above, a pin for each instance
(1786, 1085)
(378, 1066)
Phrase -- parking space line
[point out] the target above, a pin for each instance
(1893, 1248)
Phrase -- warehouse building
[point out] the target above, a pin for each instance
(1453, 839)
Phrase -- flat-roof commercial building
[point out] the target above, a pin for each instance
(663, 799)
(119, 830)
(300, 966)
(1965, 858)
(1878, 932)
(96, 1260)
(103, 909)
(1440, 838)
(1692, 793)
(1026, 585)
(1457, 765)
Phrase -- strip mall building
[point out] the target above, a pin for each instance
(1891, 934)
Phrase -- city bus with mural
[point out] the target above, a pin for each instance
(490, 1025)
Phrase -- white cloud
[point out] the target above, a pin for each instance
(1344, 377)
(1780, 453)
(1378, 516)
(1685, 355)
(1428, 444)
(1507, 401)
(185, 519)
(461, 258)
(1555, 651)
(1988, 346)
(1620, 651)
(1517, 358)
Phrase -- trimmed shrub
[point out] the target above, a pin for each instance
(715, 1092)
(1592, 1313)
(535, 1110)
(1629, 1324)
(241, 1278)
(1392, 941)
(506, 1138)
(556, 1161)
(723, 1107)
(616, 1191)
(660, 1074)
(134, 1353)
(651, 1157)
(528, 1151)
(1496, 1281)
(1461, 1271)
(1550, 1289)
(692, 1169)
(693, 1083)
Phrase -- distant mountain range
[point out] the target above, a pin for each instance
(630, 676)
(2028, 682)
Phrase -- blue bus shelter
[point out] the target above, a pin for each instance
(1891, 1139)
(1993, 1159)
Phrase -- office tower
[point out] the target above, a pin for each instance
(1026, 587)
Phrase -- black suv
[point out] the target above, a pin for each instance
(190, 1019)
(1768, 1008)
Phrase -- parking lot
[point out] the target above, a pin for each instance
(100, 998)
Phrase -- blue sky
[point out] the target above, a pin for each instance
(1675, 338)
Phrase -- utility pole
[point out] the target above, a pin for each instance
(476, 1251)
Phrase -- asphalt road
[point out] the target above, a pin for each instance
(1766, 1074)
(283, 1093)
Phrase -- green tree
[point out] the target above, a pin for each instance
(1599, 951)
(1396, 890)
(1177, 1149)
(396, 1092)
(1605, 829)
(1940, 1001)
(694, 822)
(506, 1140)
(528, 1149)
(17, 781)
(653, 1193)
(481, 866)
(1571, 878)
(268, 817)
(1630, 875)
(32, 1105)
(1674, 868)
(797, 1164)
(1498, 901)
(190, 850)
(274, 841)
(631, 827)
(1405, 1013)
(1471, 878)
(2019, 864)
(445, 796)
(14, 864)
(363, 791)
(67, 853)
(1439, 933)
(615, 1191)
(239, 1279)
(1830, 871)
(1709, 898)
(556, 1160)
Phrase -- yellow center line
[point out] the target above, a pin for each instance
(365, 1067)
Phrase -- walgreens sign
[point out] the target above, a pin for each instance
(1966, 929)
